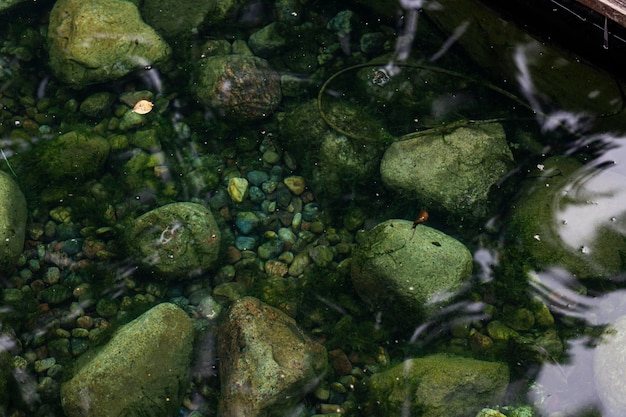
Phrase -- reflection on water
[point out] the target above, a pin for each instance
(274, 222)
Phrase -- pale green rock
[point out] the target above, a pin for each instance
(454, 171)
(177, 240)
(438, 385)
(93, 41)
(144, 368)
(237, 189)
(13, 215)
(408, 273)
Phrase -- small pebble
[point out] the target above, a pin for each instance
(295, 183)
(78, 332)
(52, 275)
(271, 157)
(237, 189)
(85, 322)
(275, 268)
(44, 364)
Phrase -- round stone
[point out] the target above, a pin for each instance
(176, 240)
(238, 86)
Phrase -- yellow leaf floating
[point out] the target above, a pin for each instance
(143, 107)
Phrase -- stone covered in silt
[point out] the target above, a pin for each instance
(75, 155)
(94, 41)
(407, 273)
(454, 170)
(142, 370)
(12, 222)
(437, 386)
(176, 240)
(239, 87)
(266, 362)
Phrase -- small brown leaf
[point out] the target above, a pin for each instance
(143, 107)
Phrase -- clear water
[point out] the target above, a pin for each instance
(551, 366)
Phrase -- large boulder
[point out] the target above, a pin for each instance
(178, 240)
(239, 87)
(437, 386)
(142, 370)
(454, 170)
(266, 361)
(13, 216)
(408, 273)
(93, 41)
(570, 217)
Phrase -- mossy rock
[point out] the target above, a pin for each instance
(567, 217)
(73, 155)
(438, 385)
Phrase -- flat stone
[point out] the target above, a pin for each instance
(128, 373)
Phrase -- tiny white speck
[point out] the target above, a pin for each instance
(536, 237)
(540, 167)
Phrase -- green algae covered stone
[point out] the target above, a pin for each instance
(438, 385)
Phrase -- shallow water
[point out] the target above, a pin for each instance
(435, 88)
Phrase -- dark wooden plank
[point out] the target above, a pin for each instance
(613, 9)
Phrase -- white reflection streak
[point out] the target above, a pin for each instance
(555, 288)
(595, 197)
(458, 32)
(548, 120)
(485, 259)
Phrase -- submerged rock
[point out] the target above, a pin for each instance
(438, 386)
(239, 87)
(454, 170)
(93, 41)
(75, 155)
(408, 273)
(569, 217)
(142, 370)
(176, 240)
(334, 164)
(13, 214)
(266, 361)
